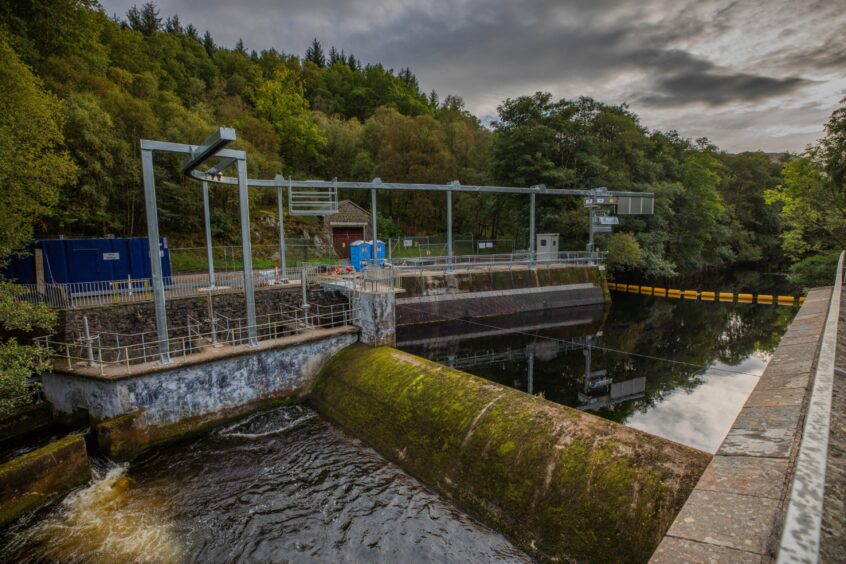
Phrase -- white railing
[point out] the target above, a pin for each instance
(109, 352)
(91, 294)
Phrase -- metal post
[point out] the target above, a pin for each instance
(373, 224)
(530, 352)
(449, 229)
(209, 252)
(590, 236)
(155, 260)
(532, 250)
(304, 286)
(88, 346)
(282, 262)
(246, 253)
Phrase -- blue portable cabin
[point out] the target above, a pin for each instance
(65, 261)
(362, 251)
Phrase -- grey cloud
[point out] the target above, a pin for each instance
(718, 89)
(653, 53)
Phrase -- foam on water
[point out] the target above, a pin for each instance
(110, 520)
(266, 423)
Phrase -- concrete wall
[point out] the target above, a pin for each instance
(42, 475)
(210, 388)
(432, 297)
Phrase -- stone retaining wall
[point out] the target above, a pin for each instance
(130, 319)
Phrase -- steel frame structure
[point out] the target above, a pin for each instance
(214, 148)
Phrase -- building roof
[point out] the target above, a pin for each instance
(349, 212)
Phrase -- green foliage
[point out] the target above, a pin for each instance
(815, 270)
(327, 115)
(33, 163)
(624, 253)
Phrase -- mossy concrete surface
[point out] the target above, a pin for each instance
(564, 485)
(42, 475)
(25, 420)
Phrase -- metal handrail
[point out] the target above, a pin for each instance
(91, 294)
(138, 348)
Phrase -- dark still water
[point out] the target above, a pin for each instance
(282, 486)
(680, 369)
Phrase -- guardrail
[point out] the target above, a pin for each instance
(800, 539)
(110, 351)
(92, 294)
(519, 258)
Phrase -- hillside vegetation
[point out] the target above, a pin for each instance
(81, 88)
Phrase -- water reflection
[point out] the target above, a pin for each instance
(676, 368)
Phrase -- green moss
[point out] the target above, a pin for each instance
(562, 483)
(39, 476)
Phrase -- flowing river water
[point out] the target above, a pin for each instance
(286, 486)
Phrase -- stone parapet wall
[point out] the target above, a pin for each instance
(736, 512)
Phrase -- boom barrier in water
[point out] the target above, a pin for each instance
(706, 296)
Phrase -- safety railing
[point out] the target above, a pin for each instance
(92, 294)
(109, 352)
(501, 260)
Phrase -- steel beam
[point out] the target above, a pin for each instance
(209, 251)
(532, 250)
(449, 229)
(155, 260)
(247, 254)
(282, 262)
(210, 147)
(373, 225)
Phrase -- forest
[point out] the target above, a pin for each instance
(81, 87)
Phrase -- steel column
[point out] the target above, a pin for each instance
(532, 249)
(590, 236)
(155, 259)
(373, 225)
(282, 262)
(247, 253)
(449, 228)
(207, 215)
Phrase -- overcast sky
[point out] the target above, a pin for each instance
(748, 74)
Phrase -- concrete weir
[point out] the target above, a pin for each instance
(431, 296)
(563, 484)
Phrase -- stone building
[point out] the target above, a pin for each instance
(350, 224)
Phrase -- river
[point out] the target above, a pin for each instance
(286, 486)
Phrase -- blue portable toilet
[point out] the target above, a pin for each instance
(362, 251)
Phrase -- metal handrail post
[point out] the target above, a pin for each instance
(155, 260)
(207, 216)
(247, 253)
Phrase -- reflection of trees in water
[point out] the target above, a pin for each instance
(693, 334)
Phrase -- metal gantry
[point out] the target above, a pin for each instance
(308, 197)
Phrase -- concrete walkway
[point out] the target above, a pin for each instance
(736, 511)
